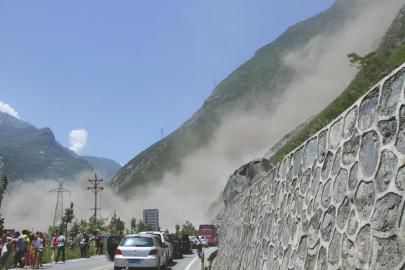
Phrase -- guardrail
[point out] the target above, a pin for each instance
(208, 257)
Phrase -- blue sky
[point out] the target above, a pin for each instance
(123, 70)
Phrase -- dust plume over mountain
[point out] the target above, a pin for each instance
(320, 71)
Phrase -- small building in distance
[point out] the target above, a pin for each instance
(151, 217)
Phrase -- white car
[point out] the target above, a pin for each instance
(140, 251)
(199, 239)
(204, 240)
(165, 240)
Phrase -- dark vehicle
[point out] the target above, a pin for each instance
(110, 244)
(186, 245)
(177, 249)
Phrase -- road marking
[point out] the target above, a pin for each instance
(102, 267)
(192, 262)
(77, 260)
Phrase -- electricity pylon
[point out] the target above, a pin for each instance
(59, 203)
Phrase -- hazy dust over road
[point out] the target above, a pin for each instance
(321, 71)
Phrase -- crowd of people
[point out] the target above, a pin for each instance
(27, 248)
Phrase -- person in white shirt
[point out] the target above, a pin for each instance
(37, 245)
(61, 247)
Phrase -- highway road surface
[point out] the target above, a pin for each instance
(189, 262)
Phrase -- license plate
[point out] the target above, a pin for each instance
(134, 261)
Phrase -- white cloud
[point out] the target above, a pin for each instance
(77, 139)
(6, 108)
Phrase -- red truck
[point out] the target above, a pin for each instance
(210, 232)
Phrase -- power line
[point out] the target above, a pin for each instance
(59, 203)
(96, 187)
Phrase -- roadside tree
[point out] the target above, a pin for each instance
(117, 226)
(3, 187)
(74, 231)
(133, 225)
(141, 227)
(188, 229)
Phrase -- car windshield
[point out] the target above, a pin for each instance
(137, 241)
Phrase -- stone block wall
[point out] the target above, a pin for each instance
(336, 202)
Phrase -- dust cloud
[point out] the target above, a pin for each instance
(321, 72)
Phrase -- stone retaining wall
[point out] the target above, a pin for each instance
(336, 202)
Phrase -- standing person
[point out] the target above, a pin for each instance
(53, 244)
(37, 247)
(99, 244)
(199, 246)
(61, 247)
(84, 245)
(42, 247)
(5, 250)
(29, 254)
(20, 249)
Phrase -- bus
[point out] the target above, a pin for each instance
(210, 232)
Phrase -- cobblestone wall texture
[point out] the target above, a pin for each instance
(336, 202)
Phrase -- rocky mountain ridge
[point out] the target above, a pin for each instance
(28, 153)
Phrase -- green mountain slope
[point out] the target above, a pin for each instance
(28, 153)
(263, 76)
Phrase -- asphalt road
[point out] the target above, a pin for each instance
(188, 262)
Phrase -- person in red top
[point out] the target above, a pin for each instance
(53, 245)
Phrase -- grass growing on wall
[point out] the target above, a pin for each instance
(372, 68)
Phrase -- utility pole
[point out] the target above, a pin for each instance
(96, 187)
(59, 203)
